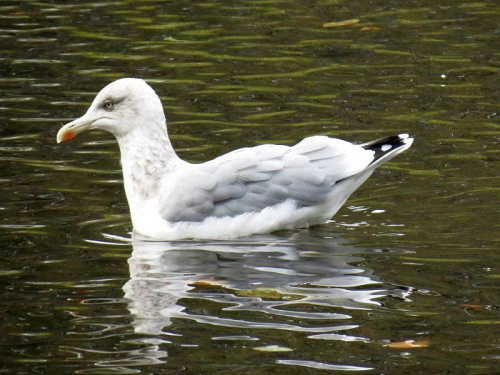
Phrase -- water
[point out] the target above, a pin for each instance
(412, 256)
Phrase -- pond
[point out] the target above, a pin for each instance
(404, 279)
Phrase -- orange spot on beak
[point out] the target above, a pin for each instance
(68, 135)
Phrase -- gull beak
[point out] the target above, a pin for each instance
(71, 129)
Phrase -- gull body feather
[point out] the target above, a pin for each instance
(250, 190)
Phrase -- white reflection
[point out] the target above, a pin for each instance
(290, 272)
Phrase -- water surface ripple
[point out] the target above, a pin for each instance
(404, 279)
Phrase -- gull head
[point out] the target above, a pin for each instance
(120, 108)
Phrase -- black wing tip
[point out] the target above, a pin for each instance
(406, 139)
(392, 140)
(389, 145)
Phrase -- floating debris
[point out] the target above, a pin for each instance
(341, 23)
(268, 294)
(272, 349)
(408, 344)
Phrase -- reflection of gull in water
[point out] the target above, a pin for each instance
(302, 274)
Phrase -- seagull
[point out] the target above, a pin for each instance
(247, 191)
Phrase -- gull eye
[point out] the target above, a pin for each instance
(108, 105)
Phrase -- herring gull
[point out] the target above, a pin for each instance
(246, 191)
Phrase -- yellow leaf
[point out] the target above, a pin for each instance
(341, 23)
(408, 344)
(272, 349)
(268, 294)
(206, 283)
(473, 306)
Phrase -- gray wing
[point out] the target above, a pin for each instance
(251, 179)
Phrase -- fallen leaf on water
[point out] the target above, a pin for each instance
(370, 28)
(473, 306)
(408, 344)
(206, 283)
(268, 294)
(272, 349)
(341, 23)
(310, 252)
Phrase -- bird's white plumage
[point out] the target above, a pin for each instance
(247, 191)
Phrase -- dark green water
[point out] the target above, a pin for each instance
(414, 255)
